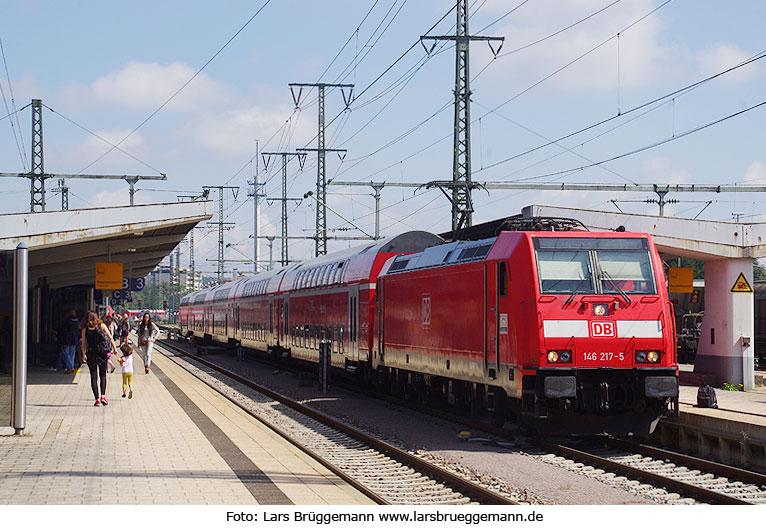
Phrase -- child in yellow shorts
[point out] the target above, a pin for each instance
(126, 361)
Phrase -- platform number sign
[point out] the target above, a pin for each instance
(121, 296)
(133, 284)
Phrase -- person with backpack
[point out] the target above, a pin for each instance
(97, 341)
(67, 339)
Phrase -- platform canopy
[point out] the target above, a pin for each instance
(64, 246)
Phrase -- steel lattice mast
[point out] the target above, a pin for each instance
(462, 207)
(320, 247)
(285, 158)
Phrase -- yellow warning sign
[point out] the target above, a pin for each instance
(741, 284)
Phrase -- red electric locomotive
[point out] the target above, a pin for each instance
(565, 331)
(561, 326)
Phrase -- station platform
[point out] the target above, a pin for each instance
(735, 432)
(176, 442)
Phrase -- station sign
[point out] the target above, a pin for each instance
(108, 276)
(681, 280)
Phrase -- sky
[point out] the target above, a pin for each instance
(191, 89)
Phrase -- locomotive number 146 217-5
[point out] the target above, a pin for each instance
(604, 356)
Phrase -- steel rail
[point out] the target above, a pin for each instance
(670, 484)
(711, 467)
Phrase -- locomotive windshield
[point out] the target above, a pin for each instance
(594, 266)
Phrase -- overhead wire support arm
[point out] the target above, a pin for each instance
(660, 189)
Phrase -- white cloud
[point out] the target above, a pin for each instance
(659, 170)
(92, 148)
(756, 172)
(144, 85)
(722, 57)
(235, 131)
(643, 56)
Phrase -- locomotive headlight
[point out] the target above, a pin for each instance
(600, 309)
(564, 356)
(641, 357)
(653, 357)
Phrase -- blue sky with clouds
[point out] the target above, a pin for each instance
(107, 66)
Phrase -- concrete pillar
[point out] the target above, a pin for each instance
(727, 336)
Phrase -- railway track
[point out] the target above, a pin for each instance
(659, 472)
(382, 471)
(664, 475)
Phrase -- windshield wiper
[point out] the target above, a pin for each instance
(576, 290)
(609, 278)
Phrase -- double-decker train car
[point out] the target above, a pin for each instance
(564, 331)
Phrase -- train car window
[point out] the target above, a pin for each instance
(626, 271)
(565, 272)
(399, 265)
(502, 279)
(591, 243)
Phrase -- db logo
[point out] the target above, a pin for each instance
(426, 311)
(603, 329)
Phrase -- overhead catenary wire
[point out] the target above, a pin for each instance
(657, 143)
(86, 129)
(539, 82)
(17, 134)
(669, 95)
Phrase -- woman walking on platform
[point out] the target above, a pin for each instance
(97, 341)
(147, 333)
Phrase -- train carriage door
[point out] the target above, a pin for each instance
(285, 323)
(353, 323)
(238, 322)
(380, 297)
(490, 316)
(271, 322)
